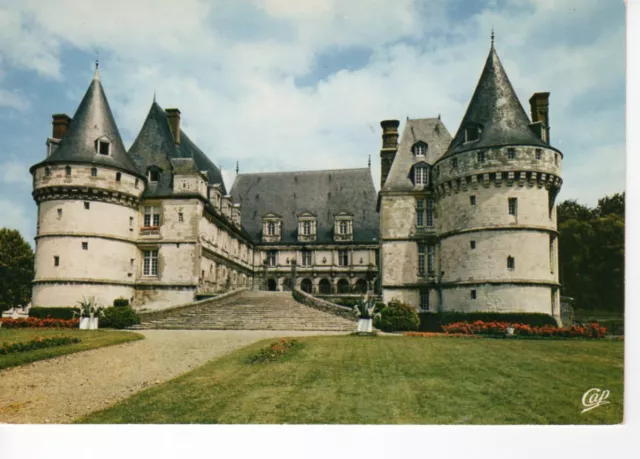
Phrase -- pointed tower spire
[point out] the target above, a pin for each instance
(93, 136)
(494, 115)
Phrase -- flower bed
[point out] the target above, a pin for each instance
(33, 322)
(500, 328)
(37, 343)
(275, 351)
(440, 335)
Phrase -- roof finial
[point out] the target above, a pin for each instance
(237, 167)
(493, 36)
(96, 76)
(369, 161)
(438, 115)
(154, 96)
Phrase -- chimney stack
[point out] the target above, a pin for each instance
(173, 115)
(389, 147)
(60, 123)
(540, 113)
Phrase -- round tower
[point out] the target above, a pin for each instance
(87, 190)
(496, 190)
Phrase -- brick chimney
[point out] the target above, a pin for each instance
(540, 114)
(389, 147)
(60, 123)
(173, 115)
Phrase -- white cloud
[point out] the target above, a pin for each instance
(15, 217)
(239, 100)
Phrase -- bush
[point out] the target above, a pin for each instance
(397, 316)
(53, 313)
(500, 328)
(120, 317)
(120, 302)
(433, 321)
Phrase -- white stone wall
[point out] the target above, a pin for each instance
(498, 298)
(69, 294)
(81, 176)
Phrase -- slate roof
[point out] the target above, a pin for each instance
(92, 120)
(155, 146)
(428, 130)
(323, 193)
(496, 108)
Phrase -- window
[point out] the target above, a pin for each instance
(472, 244)
(454, 162)
(471, 133)
(87, 205)
(180, 217)
(85, 246)
(420, 213)
(343, 227)
(343, 257)
(306, 258)
(271, 258)
(555, 158)
(538, 154)
(513, 206)
(420, 149)
(421, 177)
(67, 171)
(431, 252)
(94, 172)
(271, 228)
(59, 213)
(151, 216)
(424, 300)
(118, 176)
(47, 172)
(481, 156)
(474, 295)
(130, 222)
(306, 228)
(511, 262)
(132, 262)
(154, 175)
(150, 265)
(421, 260)
(472, 199)
(103, 147)
(429, 213)
(56, 260)
(136, 184)
(511, 153)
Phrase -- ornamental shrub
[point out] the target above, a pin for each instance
(65, 313)
(120, 302)
(433, 321)
(396, 316)
(120, 317)
(499, 328)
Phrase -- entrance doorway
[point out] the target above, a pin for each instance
(272, 285)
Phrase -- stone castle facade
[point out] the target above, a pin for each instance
(462, 223)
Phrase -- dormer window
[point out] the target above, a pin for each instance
(420, 174)
(271, 228)
(307, 227)
(154, 173)
(419, 148)
(103, 146)
(343, 228)
(471, 133)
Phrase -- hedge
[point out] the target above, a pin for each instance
(433, 321)
(118, 317)
(120, 302)
(54, 313)
(396, 316)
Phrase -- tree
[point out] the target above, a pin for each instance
(16, 269)
(611, 205)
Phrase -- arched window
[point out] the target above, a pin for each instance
(419, 148)
(118, 176)
(94, 172)
(67, 171)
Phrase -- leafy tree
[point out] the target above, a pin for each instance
(16, 269)
(611, 205)
(570, 209)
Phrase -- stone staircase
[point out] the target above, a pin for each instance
(251, 311)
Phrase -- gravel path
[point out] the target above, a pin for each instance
(62, 389)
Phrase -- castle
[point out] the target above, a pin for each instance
(464, 223)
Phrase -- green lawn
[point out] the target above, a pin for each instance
(89, 340)
(391, 380)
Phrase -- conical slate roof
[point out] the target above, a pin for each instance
(93, 121)
(495, 108)
(155, 147)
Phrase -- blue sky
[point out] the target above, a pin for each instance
(280, 85)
